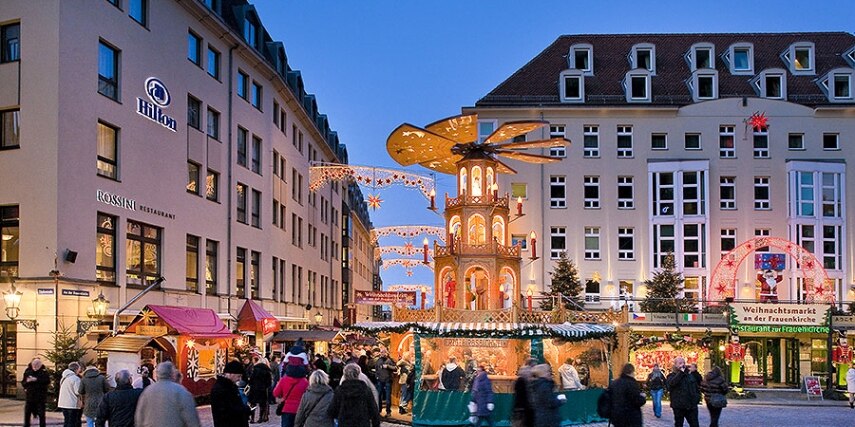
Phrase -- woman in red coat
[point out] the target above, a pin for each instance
(290, 391)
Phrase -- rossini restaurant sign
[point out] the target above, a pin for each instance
(160, 99)
(127, 203)
(785, 318)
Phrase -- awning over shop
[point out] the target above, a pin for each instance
(571, 331)
(307, 335)
(127, 343)
(194, 322)
(253, 317)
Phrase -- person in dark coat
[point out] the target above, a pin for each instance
(714, 383)
(384, 369)
(35, 383)
(93, 387)
(482, 397)
(545, 404)
(227, 408)
(683, 389)
(693, 371)
(452, 376)
(118, 406)
(260, 382)
(627, 399)
(522, 411)
(336, 371)
(315, 404)
(353, 403)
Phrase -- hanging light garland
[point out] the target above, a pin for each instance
(408, 232)
(370, 177)
(410, 288)
(407, 263)
(407, 250)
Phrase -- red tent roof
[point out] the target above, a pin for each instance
(253, 317)
(196, 322)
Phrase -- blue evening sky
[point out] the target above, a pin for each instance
(376, 64)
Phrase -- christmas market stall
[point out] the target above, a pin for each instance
(649, 350)
(194, 339)
(501, 348)
(255, 319)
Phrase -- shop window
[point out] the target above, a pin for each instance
(143, 253)
(105, 249)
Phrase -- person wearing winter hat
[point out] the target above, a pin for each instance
(290, 390)
(227, 408)
(296, 360)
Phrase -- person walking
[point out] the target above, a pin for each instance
(713, 385)
(452, 376)
(35, 383)
(482, 398)
(69, 396)
(384, 369)
(683, 390)
(405, 371)
(850, 385)
(290, 390)
(315, 404)
(352, 405)
(260, 383)
(570, 376)
(118, 406)
(693, 371)
(522, 414)
(336, 370)
(545, 405)
(627, 399)
(93, 387)
(656, 385)
(166, 403)
(227, 407)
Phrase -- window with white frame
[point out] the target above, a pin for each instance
(592, 291)
(728, 240)
(842, 86)
(831, 253)
(572, 86)
(485, 129)
(581, 58)
(761, 142)
(702, 57)
(592, 243)
(773, 86)
(761, 193)
(727, 192)
(691, 288)
(706, 86)
(624, 142)
(638, 87)
(740, 57)
(557, 131)
(663, 194)
(831, 195)
(762, 232)
(644, 56)
(591, 141)
(837, 84)
(663, 243)
(726, 142)
(659, 141)
(557, 192)
(694, 255)
(830, 141)
(626, 243)
(800, 58)
(519, 190)
(806, 237)
(693, 193)
(592, 192)
(625, 190)
(796, 141)
(692, 141)
(805, 194)
(558, 241)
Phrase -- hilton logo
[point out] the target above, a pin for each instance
(159, 95)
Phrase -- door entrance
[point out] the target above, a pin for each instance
(771, 362)
(793, 376)
(8, 359)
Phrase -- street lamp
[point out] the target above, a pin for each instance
(319, 317)
(12, 298)
(96, 313)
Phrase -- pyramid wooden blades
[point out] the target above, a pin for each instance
(504, 168)
(462, 129)
(511, 129)
(447, 164)
(544, 143)
(524, 157)
(409, 144)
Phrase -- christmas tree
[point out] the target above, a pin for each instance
(663, 288)
(565, 282)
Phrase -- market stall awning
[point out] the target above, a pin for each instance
(126, 343)
(573, 331)
(253, 317)
(307, 335)
(194, 322)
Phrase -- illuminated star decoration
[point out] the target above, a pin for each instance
(758, 120)
(374, 201)
(148, 317)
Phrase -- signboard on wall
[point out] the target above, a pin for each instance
(385, 298)
(787, 318)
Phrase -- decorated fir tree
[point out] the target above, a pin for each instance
(565, 282)
(663, 289)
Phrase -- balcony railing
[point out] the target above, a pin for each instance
(467, 200)
(493, 248)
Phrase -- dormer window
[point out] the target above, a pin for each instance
(637, 86)
(704, 84)
(581, 57)
(701, 56)
(740, 58)
(572, 86)
(771, 84)
(644, 56)
(837, 84)
(850, 56)
(799, 57)
(250, 31)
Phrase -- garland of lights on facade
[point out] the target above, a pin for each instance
(370, 177)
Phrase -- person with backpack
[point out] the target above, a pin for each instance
(656, 385)
(626, 399)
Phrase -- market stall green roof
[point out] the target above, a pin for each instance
(568, 331)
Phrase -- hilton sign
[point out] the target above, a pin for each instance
(159, 95)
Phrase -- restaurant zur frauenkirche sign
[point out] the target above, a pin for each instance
(783, 318)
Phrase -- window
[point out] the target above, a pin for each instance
(626, 243)
(581, 59)
(557, 131)
(212, 186)
(592, 192)
(519, 190)
(256, 95)
(276, 277)
(276, 213)
(283, 119)
(108, 149)
(138, 11)
(774, 86)
(256, 208)
(592, 291)
(192, 268)
(10, 42)
(830, 141)
(693, 246)
(706, 86)
(193, 178)
(692, 141)
(693, 193)
(194, 48)
(558, 241)
(108, 71)
(806, 235)
(241, 203)
(831, 195)
(742, 60)
(842, 86)
(663, 243)
(796, 141)
(105, 248)
(254, 272)
(624, 142)
(762, 232)
(591, 141)
(726, 142)
(250, 32)
(485, 129)
(728, 240)
(573, 87)
(805, 196)
(557, 192)
(644, 58)
(800, 58)
(663, 194)
(240, 273)
(213, 63)
(241, 146)
(659, 141)
(761, 193)
(211, 266)
(143, 253)
(761, 143)
(639, 85)
(592, 243)
(727, 192)
(242, 85)
(625, 190)
(703, 58)
(256, 154)
(213, 124)
(194, 112)
(10, 129)
(831, 253)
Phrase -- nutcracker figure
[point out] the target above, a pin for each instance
(842, 357)
(734, 353)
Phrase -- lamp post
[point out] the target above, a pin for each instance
(319, 317)
(12, 298)
(96, 313)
